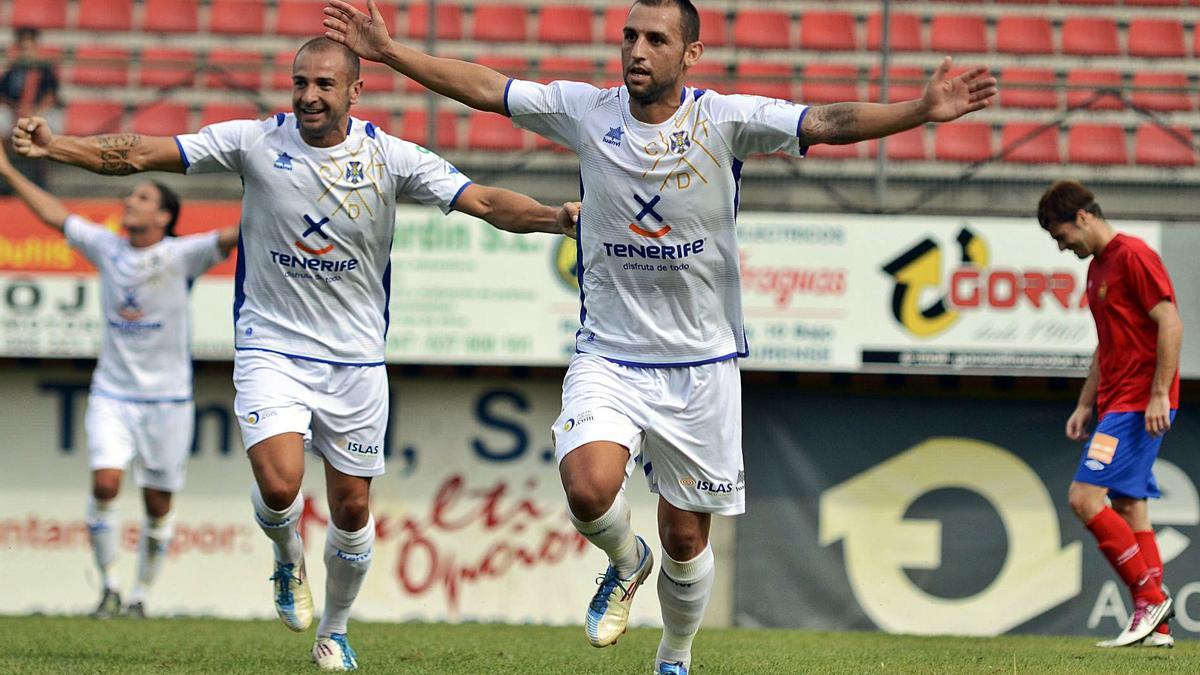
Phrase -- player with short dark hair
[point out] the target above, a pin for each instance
(1133, 388)
(655, 371)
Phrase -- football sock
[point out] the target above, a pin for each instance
(613, 534)
(1149, 546)
(347, 559)
(152, 551)
(1118, 544)
(683, 592)
(102, 532)
(281, 527)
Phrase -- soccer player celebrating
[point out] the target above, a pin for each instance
(656, 367)
(1133, 387)
(140, 404)
(311, 303)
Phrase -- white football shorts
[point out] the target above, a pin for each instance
(342, 411)
(685, 422)
(157, 433)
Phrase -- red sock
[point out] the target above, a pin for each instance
(1153, 560)
(1118, 544)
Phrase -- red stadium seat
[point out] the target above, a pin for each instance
(171, 16)
(237, 17)
(512, 66)
(714, 28)
(101, 67)
(566, 68)
(500, 23)
(564, 24)
(414, 128)
(234, 69)
(40, 14)
(302, 18)
(1083, 85)
(709, 75)
(212, 113)
(613, 75)
(762, 29)
(1156, 146)
(773, 80)
(829, 83)
(377, 115)
(958, 33)
(904, 83)
(489, 131)
(1087, 2)
(1156, 38)
(1097, 144)
(902, 147)
(163, 118)
(905, 35)
(1041, 148)
(1161, 91)
(377, 78)
(824, 151)
(614, 24)
(163, 67)
(1024, 35)
(449, 21)
(87, 118)
(1154, 3)
(831, 31)
(1028, 88)
(105, 15)
(963, 142)
(1090, 36)
(281, 70)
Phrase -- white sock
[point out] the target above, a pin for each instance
(153, 544)
(281, 527)
(613, 534)
(683, 592)
(347, 559)
(102, 532)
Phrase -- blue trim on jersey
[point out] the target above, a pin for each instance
(682, 95)
(800, 123)
(349, 125)
(130, 399)
(370, 129)
(279, 119)
(314, 359)
(737, 186)
(697, 93)
(387, 292)
(182, 154)
(636, 364)
(579, 260)
(507, 86)
(239, 278)
(454, 200)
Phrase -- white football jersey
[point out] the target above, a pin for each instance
(145, 298)
(314, 256)
(658, 256)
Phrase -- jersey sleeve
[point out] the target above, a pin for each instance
(217, 147)
(198, 252)
(423, 175)
(1148, 278)
(551, 110)
(92, 240)
(760, 125)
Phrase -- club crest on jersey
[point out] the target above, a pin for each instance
(680, 142)
(614, 135)
(354, 172)
(284, 161)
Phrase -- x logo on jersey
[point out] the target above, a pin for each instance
(648, 210)
(314, 226)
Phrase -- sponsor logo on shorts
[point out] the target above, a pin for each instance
(1094, 465)
(1103, 447)
(357, 447)
(700, 485)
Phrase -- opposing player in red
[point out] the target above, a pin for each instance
(1133, 387)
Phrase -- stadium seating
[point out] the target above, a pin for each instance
(1024, 35)
(1166, 92)
(414, 127)
(302, 18)
(1156, 38)
(765, 79)
(823, 151)
(86, 118)
(827, 31)
(163, 118)
(377, 78)
(449, 21)
(500, 23)
(101, 67)
(40, 14)
(829, 83)
(104, 15)
(614, 24)
(237, 17)
(905, 146)
(904, 83)
(171, 16)
(212, 113)
(166, 67)
(955, 33)
(512, 66)
(1038, 144)
(566, 68)
(564, 24)
(489, 131)
(281, 70)
(762, 29)
(1028, 88)
(905, 34)
(1090, 36)
(714, 28)
(710, 74)
(1097, 144)
(1083, 85)
(1155, 146)
(234, 69)
(963, 142)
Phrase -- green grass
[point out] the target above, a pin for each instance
(78, 645)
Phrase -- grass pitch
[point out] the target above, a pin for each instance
(79, 645)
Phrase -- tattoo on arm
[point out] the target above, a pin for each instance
(835, 124)
(115, 150)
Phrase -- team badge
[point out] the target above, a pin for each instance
(354, 172)
(680, 142)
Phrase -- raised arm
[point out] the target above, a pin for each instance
(366, 35)
(227, 239)
(514, 212)
(1170, 339)
(108, 154)
(45, 205)
(946, 98)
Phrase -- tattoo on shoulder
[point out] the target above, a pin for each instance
(835, 123)
(115, 150)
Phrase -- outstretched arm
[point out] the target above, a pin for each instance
(946, 98)
(227, 239)
(514, 212)
(477, 86)
(108, 154)
(46, 206)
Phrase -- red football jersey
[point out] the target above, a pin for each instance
(1125, 281)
